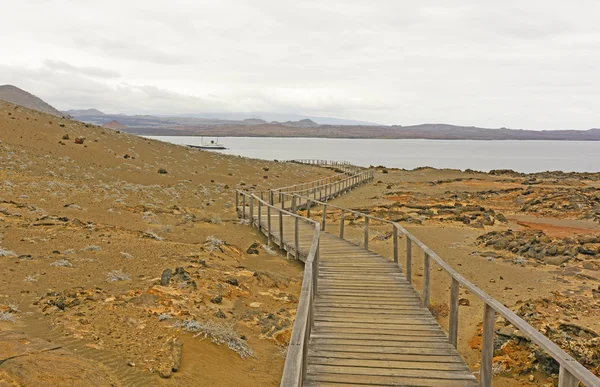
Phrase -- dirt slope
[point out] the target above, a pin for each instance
(20, 97)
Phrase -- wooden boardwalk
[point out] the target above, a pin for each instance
(369, 324)
(360, 321)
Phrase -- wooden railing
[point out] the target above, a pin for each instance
(571, 372)
(246, 204)
(346, 168)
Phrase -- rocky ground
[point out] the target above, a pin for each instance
(127, 254)
(531, 241)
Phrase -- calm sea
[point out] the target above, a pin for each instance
(522, 156)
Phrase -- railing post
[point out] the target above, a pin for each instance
(395, 236)
(408, 259)
(281, 229)
(294, 204)
(269, 239)
(259, 214)
(251, 211)
(282, 199)
(243, 206)
(237, 200)
(296, 239)
(487, 346)
(271, 199)
(454, 296)
(366, 233)
(426, 280)
(566, 379)
(342, 225)
(308, 206)
(324, 217)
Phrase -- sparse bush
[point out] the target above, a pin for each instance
(219, 334)
(62, 262)
(213, 243)
(31, 278)
(153, 235)
(126, 255)
(7, 253)
(117, 275)
(7, 317)
(164, 316)
(216, 220)
(92, 248)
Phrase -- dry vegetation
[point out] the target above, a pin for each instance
(110, 244)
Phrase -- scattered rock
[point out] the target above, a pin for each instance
(65, 136)
(232, 281)
(165, 278)
(79, 140)
(220, 314)
(253, 249)
(217, 299)
(162, 171)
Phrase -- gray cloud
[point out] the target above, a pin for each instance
(91, 71)
(516, 64)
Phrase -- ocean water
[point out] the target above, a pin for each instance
(521, 156)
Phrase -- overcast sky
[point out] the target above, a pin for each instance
(523, 64)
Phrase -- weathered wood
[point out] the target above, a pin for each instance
(487, 346)
(366, 241)
(281, 229)
(408, 267)
(566, 379)
(252, 211)
(296, 240)
(324, 217)
(342, 221)
(454, 297)
(426, 280)
(243, 206)
(269, 233)
(395, 239)
(260, 221)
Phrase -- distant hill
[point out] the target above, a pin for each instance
(84, 112)
(13, 94)
(114, 124)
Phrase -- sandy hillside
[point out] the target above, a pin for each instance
(530, 241)
(114, 247)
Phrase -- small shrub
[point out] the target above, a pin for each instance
(126, 255)
(219, 334)
(92, 248)
(213, 243)
(117, 275)
(164, 316)
(269, 250)
(62, 262)
(7, 253)
(216, 220)
(7, 317)
(31, 278)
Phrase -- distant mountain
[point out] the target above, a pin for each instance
(278, 117)
(114, 124)
(305, 123)
(20, 97)
(84, 112)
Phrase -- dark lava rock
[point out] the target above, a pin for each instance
(162, 171)
(232, 281)
(165, 278)
(220, 314)
(253, 249)
(216, 299)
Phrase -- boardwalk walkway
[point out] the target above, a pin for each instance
(360, 320)
(369, 324)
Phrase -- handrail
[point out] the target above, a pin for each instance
(349, 170)
(296, 359)
(297, 356)
(571, 372)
